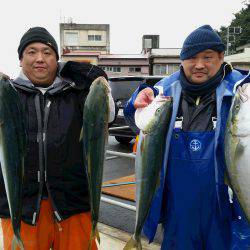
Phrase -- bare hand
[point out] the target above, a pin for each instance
(144, 98)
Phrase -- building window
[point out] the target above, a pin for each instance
(91, 37)
(134, 69)
(98, 37)
(71, 38)
(168, 69)
(112, 69)
(117, 69)
(94, 37)
(148, 43)
(171, 68)
(108, 69)
(159, 69)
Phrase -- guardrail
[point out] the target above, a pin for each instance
(115, 154)
(118, 203)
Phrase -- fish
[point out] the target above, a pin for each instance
(95, 136)
(149, 159)
(13, 141)
(237, 147)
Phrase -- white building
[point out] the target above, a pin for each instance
(164, 61)
(84, 38)
(240, 60)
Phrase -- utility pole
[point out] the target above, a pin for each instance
(231, 32)
(227, 41)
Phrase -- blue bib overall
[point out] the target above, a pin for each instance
(193, 221)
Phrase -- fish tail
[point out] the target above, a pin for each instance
(93, 235)
(133, 244)
(17, 242)
(97, 235)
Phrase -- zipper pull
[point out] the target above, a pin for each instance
(214, 121)
(48, 104)
(197, 102)
(59, 227)
(38, 176)
(34, 219)
(57, 216)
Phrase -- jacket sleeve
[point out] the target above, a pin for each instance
(81, 73)
(129, 109)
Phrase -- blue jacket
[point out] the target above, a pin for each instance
(170, 86)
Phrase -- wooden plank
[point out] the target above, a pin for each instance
(126, 192)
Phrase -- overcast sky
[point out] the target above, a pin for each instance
(173, 20)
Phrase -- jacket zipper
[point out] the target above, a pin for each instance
(46, 116)
(41, 164)
(42, 140)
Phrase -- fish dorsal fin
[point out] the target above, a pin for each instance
(81, 135)
(239, 150)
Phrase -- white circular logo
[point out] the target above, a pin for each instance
(195, 145)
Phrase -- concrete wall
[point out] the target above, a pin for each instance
(125, 71)
(240, 60)
(111, 63)
(82, 31)
(88, 59)
(123, 62)
(83, 37)
(166, 60)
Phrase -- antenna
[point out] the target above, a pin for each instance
(60, 15)
(70, 20)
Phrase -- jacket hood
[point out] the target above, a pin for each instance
(23, 82)
(77, 75)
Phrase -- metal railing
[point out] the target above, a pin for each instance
(118, 203)
(115, 154)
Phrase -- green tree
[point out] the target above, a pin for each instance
(241, 19)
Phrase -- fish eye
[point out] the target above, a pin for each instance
(157, 110)
(237, 106)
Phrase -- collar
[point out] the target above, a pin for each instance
(206, 87)
(22, 76)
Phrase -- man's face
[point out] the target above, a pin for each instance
(39, 63)
(202, 66)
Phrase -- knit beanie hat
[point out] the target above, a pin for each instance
(37, 34)
(199, 40)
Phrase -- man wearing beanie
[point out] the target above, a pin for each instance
(56, 205)
(192, 201)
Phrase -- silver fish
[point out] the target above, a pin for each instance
(12, 152)
(149, 158)
(95, 135)
(237, 147)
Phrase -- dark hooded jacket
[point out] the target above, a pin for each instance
(54, 164)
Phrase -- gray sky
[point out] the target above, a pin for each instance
(173, 20)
